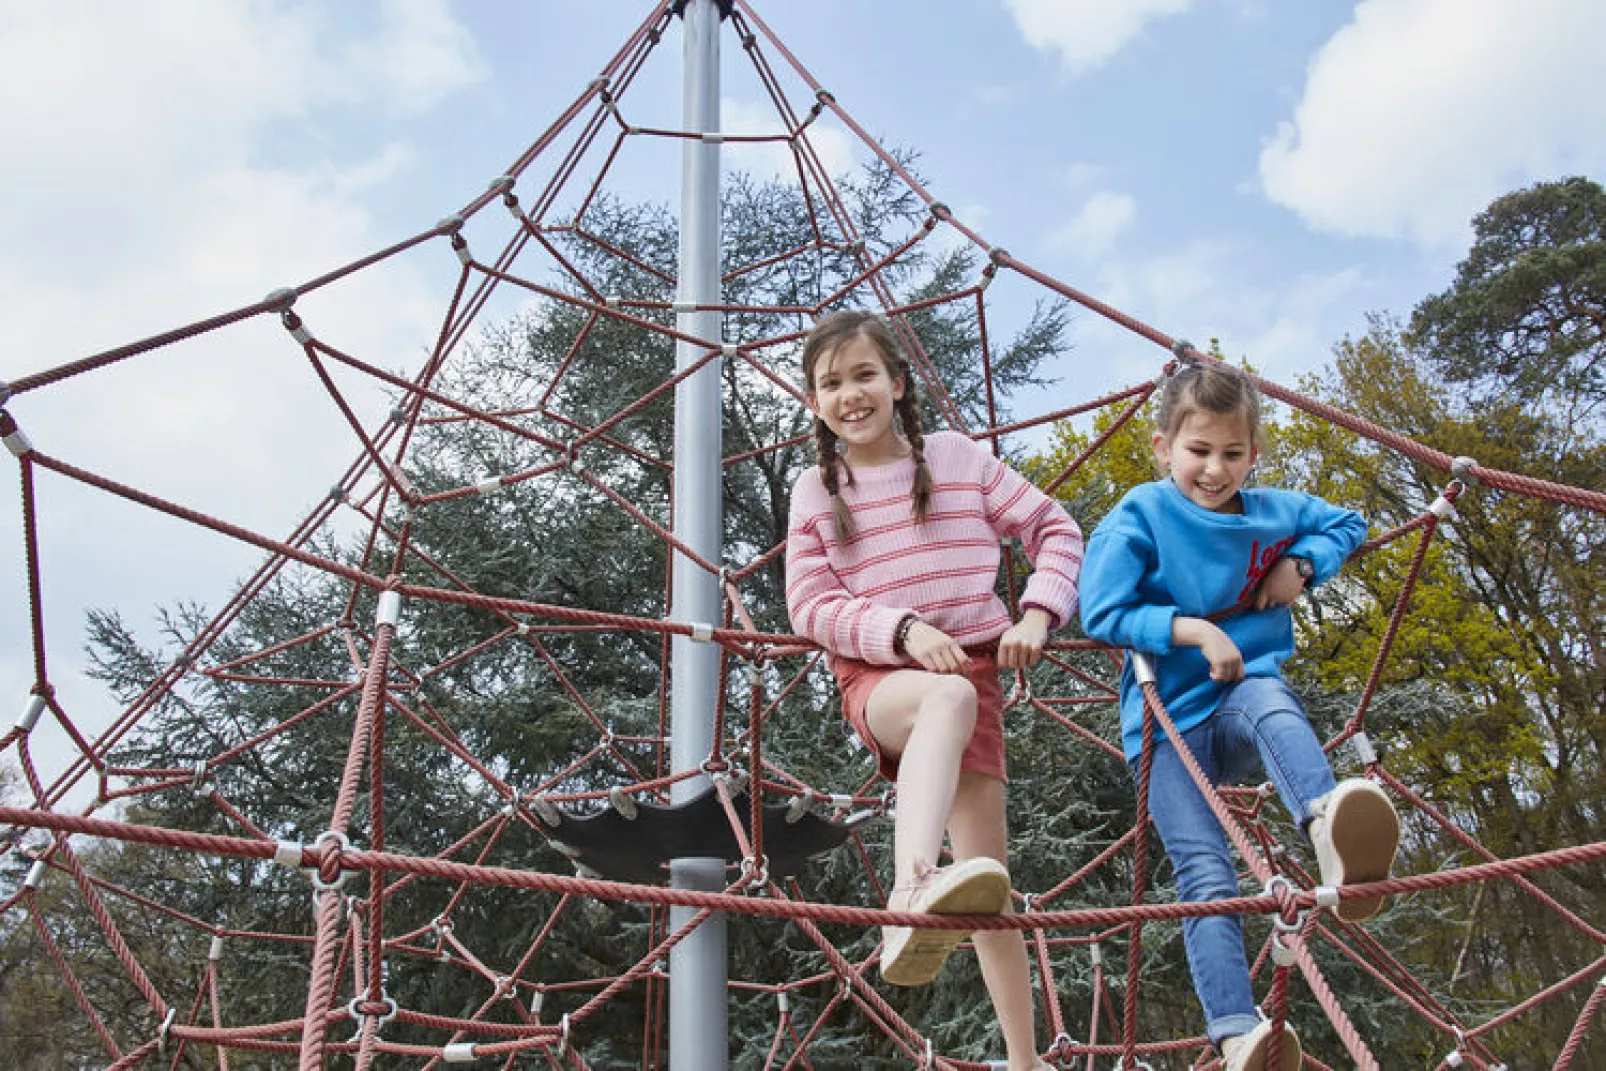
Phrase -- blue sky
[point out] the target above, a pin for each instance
(1262, 173)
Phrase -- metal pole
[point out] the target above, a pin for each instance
(698, 1038)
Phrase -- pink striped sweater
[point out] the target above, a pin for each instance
(849, 597)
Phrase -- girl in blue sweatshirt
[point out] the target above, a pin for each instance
(1197, 572)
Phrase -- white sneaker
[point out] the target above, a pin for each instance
(1252, 1051)
(912, 956)
(1355, 832)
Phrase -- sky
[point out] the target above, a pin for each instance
(1266, 174)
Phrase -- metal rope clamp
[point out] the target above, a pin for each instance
(1061, 1050)
(758, 870)
(198, 784)
(354, 1009)
(342, 843)
(165, 1029)
(1285, 925)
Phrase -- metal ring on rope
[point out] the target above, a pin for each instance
(758, 870)
(354, 1010)
(342, 843)
(1297, 923)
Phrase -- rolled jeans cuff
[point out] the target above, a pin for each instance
(1230, 1026)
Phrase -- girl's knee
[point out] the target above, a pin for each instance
(950, 701)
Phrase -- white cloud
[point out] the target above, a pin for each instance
(1103, 218)
(166, 162)
(1200, 292)
(774, 159)
(1086, 33)
(1419, 112)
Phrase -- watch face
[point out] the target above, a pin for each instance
(1304, 567)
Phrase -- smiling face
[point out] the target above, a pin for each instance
(855, 393)
(1209, 456)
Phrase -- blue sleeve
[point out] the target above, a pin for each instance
(1119, 557)
(1327, 536)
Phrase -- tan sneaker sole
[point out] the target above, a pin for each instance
(1363, 834)
(913, 956)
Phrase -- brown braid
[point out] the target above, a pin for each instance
(830, 463)
(908, 410)
(828, 334)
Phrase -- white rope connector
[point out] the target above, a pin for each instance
(1454, 1059)
(18, 443)
(30, 714)
(1142, 668)
(1442, 508)
(388, 612)
(36, 874)
(623, 802)
(1096, 955)
(1327, 896)
(198, 784)
(522, 628)
(536, 1002)
(1281, 954)
(684, 306)
(784, 1001)
(459, 1052)
(613, 301)
(165, 1029)
(702, 633)
(1364, 751)
(1461, 468)
(488, 484)
(288, 853)
(710, 138)
(215, 953)
(728, 349)
(300, 333)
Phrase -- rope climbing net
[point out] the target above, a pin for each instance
(364, 664)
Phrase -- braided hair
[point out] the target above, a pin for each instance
(828, 335)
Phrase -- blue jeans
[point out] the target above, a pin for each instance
(1260, 724)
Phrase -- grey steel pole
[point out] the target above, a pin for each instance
(698, 1039)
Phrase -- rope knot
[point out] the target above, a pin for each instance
(329, 874)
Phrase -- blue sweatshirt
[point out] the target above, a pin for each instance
(1158, 556)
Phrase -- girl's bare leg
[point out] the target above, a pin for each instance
(978, 826)
(926, 720)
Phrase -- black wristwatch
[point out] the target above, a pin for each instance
(1303, 566)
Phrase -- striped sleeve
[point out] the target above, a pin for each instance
(819, 604)
(1052, 540)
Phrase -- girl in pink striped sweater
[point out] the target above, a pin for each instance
(892, 558)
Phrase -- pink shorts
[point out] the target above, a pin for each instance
(985, 752)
